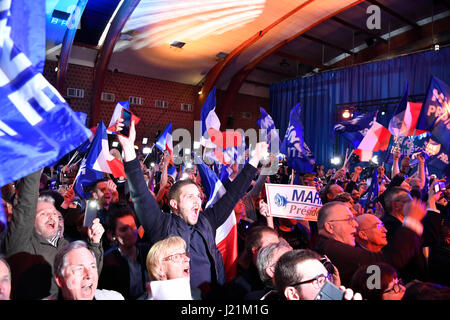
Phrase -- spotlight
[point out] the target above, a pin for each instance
(346, 114)
(436, 47)
(144, 140)
(146, 150)
(335, 160)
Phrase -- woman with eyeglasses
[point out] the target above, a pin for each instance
(168, 268)
(378, 281)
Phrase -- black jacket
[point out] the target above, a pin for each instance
(159, 225)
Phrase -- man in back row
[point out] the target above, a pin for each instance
(196, 227)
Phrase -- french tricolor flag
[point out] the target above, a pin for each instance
(404, 120)
(212, 137)
(376, 139)
(118, 113)
(165, 142)
(99, 158)
(226, 234)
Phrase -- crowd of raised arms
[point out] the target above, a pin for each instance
(154, 237)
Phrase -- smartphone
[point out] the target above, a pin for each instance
(90, 212)
(439, 186)
(126, 116)
(330, 292)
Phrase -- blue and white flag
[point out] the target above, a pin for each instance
(372, 192)
(435, 113)
(299, 156)
(37, 127)
(355, 129)
(266, 123)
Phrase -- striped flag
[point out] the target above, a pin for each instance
(226, 234)
(165, 142)
(376, 139)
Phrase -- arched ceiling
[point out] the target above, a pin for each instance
(253, 42)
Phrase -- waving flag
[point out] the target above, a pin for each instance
(165, 142)
(37, 127)
(355, 129)
(226, 234)
(376, 139)
(435, 113)
(212, 137)
(299, 156)
(371, 198)
(266, 122)
(117, 113)
(404, 120)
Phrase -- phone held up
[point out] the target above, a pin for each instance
(126, 116)
(90, 213)
(439, 186)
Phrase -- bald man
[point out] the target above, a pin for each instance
(370, 233)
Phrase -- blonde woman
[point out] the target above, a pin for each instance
(168, 268)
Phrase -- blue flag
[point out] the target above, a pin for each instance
(372, 192)
(299, 156)
(355, 129)
(266, 122)
(87, 175)
(435, 113)
(37, 127)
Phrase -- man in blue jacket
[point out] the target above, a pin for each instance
(196, 227)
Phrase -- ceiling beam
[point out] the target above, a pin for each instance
(256, 83)
(284, 74)
(362, 30)
(394, 14)
(216, 71)
(66, 46)
(226, 108)
(327, 43)
(104, 55)
(300, 59)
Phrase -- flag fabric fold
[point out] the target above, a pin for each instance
(117, 113)
(97, 162)
(404, 120)
(299, 156)
(376, 139)
(37, 127)
(266, 122)
(165, 142)
(226, 234)
(355, 129)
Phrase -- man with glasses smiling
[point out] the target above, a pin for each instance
(337, 230)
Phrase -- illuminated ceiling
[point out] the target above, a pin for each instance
(274, 40)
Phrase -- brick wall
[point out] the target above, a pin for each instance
(152, 118)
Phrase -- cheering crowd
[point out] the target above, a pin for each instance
(153, 237)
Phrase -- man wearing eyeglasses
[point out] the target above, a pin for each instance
(300, 275)
(370, 233)
(196, 227)
(337, 231)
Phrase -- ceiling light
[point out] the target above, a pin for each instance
(177, 44)
(436, 47)
(346, 114)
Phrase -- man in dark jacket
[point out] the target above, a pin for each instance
(197, 228)
(33, 240)
(337, 229)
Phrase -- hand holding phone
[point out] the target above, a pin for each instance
(439, 186)
(126, 116)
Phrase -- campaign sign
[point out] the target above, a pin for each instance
(293, 201)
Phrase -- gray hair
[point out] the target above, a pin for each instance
(265, 259)
(46, 198)
(60, 262)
